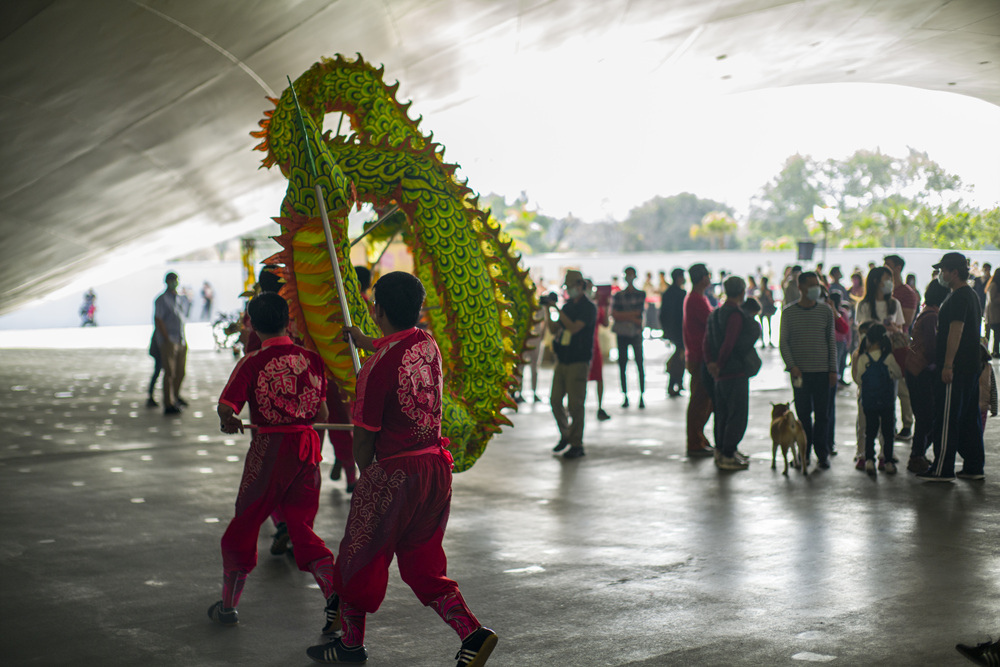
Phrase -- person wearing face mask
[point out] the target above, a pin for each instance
(878, 304)
(808, 347)
(958, 359)
(573, 343)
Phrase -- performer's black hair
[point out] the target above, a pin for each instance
(268, 313)
(268, 280)
(400, 295)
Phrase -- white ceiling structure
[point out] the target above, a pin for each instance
(126, 123)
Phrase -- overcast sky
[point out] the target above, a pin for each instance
(598, 157)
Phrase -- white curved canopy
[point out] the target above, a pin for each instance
(126, 123)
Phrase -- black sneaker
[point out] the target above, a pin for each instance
(171, 410)
(332, 628)
(279, 541)
(226, 617)
(181, 402)
(335, 653)
(931, 476)
(602, 416)
(987, 653)
(561, 445)
(574, 453)
(151, 403)
(905, 434)
(962, 474)
(476, 648)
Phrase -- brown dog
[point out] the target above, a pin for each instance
(787, 432)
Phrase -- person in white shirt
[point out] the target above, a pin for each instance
(878, 305)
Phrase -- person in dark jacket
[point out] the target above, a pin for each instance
(672, 323)
(920, 369)
(732, 360)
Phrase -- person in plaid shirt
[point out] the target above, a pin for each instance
(627, 309)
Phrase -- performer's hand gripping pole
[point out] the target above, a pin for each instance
(321, 202)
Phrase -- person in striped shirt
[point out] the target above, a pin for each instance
(809, 350)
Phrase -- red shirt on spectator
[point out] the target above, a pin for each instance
(696, 311)
(907, 297)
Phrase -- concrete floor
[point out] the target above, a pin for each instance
(634, 555)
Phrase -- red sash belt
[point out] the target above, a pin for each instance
(441, 449)
(309, 444)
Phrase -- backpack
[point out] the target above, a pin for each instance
(878, 390)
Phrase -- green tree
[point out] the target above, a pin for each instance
(664, 223)
(989, 222)
(533, 232)
(784, 203)
(871, 186)
(960, 229)
(715, 226)
(881, 200)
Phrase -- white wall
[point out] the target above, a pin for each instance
(129, 300)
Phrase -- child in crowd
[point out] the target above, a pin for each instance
(285, 386)
(877, 372)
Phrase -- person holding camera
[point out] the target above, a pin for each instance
(573, 344)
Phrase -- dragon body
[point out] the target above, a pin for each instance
(480, 301)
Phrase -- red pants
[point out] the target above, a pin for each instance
(274, 479)
(699, 409)
(400, 507)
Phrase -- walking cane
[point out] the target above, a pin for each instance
(944, 429)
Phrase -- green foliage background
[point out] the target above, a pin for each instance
(868, 199)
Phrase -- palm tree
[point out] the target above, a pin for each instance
(715, 226)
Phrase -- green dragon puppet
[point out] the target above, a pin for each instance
(480, 302)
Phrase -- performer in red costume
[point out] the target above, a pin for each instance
(403, 496)
(285, 386)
